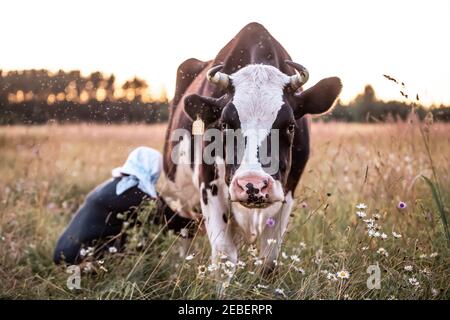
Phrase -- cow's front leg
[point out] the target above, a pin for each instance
(272, 236)
(215, 211)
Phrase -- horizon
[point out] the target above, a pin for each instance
(367, 32)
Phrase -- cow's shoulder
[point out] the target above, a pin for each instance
(186, 73)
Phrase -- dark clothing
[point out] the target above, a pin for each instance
(96, 220)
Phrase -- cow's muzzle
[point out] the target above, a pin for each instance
(253, 190)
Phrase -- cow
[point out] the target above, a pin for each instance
(251, 87)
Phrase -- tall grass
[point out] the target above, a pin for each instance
(47, 171)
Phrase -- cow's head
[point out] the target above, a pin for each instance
(259, 99)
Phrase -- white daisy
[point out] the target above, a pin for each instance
(396, 235)
(190, 257)
(112, 249)
(361, 214)
(408, 268)
(413, 281)
(343, 274)
(301, 270)
(361, 206)
(295, 258)
(271, 241)
(331, 276)
(280, 292)
(383, 252)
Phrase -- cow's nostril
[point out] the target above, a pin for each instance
(265, 186)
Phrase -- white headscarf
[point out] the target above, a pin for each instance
(143, 168)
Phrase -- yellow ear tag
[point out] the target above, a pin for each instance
(198, 127)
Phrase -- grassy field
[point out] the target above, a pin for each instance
(45, 172)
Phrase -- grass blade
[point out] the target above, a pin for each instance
(440, 206)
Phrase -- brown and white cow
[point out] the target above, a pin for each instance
(252, 88)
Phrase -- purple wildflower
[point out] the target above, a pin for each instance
(270, 222)
(401, 205)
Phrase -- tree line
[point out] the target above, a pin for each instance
(40, 96)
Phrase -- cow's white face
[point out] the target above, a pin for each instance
(261, 103)
(258, 98)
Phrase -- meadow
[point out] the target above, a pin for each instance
(399, 226)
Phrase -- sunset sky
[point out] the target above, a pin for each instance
(355, 40)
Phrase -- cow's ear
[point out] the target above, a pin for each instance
(207, 108)
(317, 99)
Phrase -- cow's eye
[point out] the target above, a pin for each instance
(291, 128)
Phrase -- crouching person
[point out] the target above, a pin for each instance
(96, 222)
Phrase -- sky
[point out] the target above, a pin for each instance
(358, 41)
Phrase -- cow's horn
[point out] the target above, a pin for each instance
(217, 77)
(301, 76)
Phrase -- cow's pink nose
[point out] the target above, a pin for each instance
(253, 188)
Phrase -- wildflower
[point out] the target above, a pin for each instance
(423, 256)
(361, 206)
(408, 268)
(275, 262)
(383, 252)
(343, 274)
(376, 216)
(112, 249)
(371, 232)
(240, 264)
(184, 232)
(201, 271)
(396, 235)
(213, 267)
(270, 222)
(361, 214)
(413, 281)
(252, 250)
(401, 205)
(426, 272)
(364, 248)
(261, 286)
(83, 252)
(392, 297)
(190, 257)
(271, 241)
(295, 258)
(225, 285)
(284, 255)
(302, 245)
(300, 270)
(258, 262)
(331, 276)
(376, 234)
(229, 264)
(434, 292)
(434, 255)
(280, 292)
(103, 268)
(251, 272)
(384, 236)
